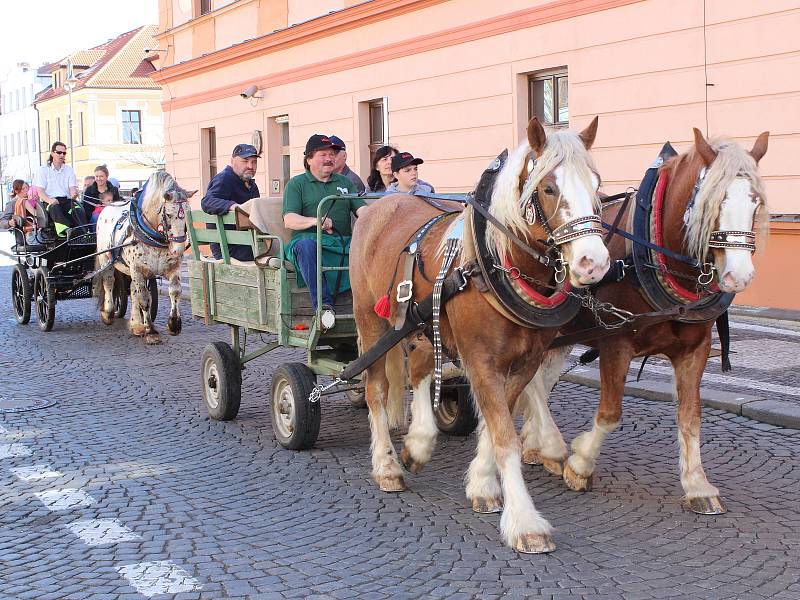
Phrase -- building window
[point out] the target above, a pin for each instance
(205, 7)
(58, 128)
(286, 162)
(47, 133)
(33, 140)
(80, 129)
(208, 153)
(19, 143)
(548, 97)
(378, 130)
(25, 141)
(131, 127)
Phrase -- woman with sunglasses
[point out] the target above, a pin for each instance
(58, 189)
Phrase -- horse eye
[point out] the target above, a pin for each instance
(549, 191)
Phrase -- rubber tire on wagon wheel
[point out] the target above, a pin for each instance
(222, 381)
(45, 297)
(152, 287)
(121, 291)
(295, 419)
(21, 294)
(456, 414)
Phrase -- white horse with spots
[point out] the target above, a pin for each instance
(154, 240)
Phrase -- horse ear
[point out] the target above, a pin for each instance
(190, 194)
(536, 136)
(707, 153)
(587, 135)
(760, 147)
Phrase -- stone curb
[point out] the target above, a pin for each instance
(773, 412)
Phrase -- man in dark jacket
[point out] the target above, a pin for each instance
(231, 186)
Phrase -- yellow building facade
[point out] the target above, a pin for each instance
(114, 109)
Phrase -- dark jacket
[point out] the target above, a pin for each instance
(92, 194)
(224, 191)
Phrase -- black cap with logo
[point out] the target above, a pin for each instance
(320, 142)
(403, 159)
(245, 151)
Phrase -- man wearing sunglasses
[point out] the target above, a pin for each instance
(58, 189)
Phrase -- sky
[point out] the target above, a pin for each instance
(43, 31)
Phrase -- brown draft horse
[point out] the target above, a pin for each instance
(499, 357)
(731, 199)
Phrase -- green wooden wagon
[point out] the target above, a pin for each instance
(263, 298)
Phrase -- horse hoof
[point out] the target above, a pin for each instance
(534, 543)
(711, 505)
(391, 483)
(575, 482)
(411, 465)
(152, 339)
(531, 456)
(107, 318)
(174, 326)
(487, 506)
(137, 330)
(554, 466)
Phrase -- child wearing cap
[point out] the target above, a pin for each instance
(406, 173)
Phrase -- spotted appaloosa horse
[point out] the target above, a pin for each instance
(164, 215)
(731, 198)
(499, 356)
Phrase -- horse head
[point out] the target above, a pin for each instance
(165, 206)
(727, 207)
(556, 190)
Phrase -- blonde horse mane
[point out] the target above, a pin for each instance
(157, 185)
(563, 147)
(732, 161)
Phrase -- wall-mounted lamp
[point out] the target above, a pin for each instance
(149, 50)
(251, 91)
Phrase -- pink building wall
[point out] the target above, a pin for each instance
(454, 75)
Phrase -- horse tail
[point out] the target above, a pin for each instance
(396, 374)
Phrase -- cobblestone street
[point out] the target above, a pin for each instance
(124, 489)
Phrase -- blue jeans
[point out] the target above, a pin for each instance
(305, 253)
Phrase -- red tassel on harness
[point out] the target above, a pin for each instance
(381, 307)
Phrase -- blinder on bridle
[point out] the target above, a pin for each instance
(164, 226)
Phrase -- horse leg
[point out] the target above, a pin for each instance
(420, 440)
(140, 292)
(701, 497)
(104, 290)
(174, 323)
(521, 525)
(580, 466)
(136, 323)
(542, 442)
(483, 479)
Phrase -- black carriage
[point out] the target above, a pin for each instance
(50, 269)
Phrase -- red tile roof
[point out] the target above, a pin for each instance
(119, 63)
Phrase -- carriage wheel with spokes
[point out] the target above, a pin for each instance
(456, 414)
(21, 294)
(222, 381)
(152, 288)
(121, 293)
(45, 297)
(295, 419)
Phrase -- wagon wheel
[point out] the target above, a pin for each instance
(21, 294)
(121, 293)
(456, 414)
(45, 297)
(357, 397)
(152, 287)
(295, 420)
(222, 381)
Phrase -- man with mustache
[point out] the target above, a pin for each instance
(233, 185)
(301, 198)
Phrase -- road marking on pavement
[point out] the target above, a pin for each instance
(35, 472)
(13, 450)
(100, 532)
(159, 577)
(65, 499)
(741, 382)
(766, 329)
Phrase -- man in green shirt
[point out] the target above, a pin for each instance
(301, 198)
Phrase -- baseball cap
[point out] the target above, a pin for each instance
(338, 141)
(245, 151)
(318, 142)
(403, 159)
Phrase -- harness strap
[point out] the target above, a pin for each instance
(623, 209)
(692, 262)
(450, 252)
(419, 314)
